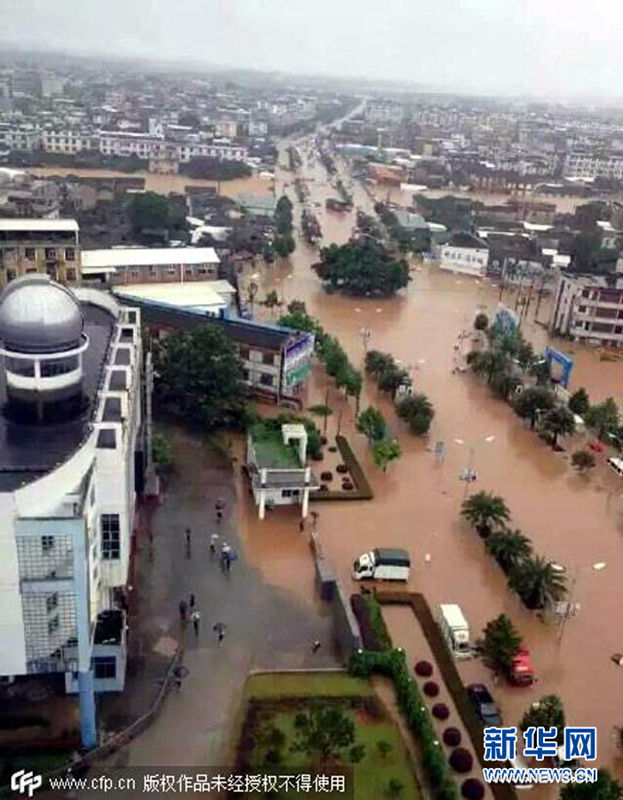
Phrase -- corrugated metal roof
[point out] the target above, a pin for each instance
(39, 225)
(147, 256)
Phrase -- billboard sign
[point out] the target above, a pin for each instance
(297, 359)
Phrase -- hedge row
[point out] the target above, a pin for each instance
(363, 490)
(374, 634)
(450, 675)
(393, 664)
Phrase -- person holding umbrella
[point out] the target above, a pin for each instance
(219, 628)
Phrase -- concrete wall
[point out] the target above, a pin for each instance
(13, 651)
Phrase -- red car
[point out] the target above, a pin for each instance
(522, 671)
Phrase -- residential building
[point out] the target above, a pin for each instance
(125, 265)
(591, 165)
(68, 141)
(384, 112)
(50, 246)
(72, 461)
(277, 467)
(217, 297)
(589, 308)
(466, 254)
(257, 206)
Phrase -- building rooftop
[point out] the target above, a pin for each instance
(271, 452)
(194, 294)
(146, 256)
(39, 225)
(23, 458)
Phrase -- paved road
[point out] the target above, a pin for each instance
(267, 627)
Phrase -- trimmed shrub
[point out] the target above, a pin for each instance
(333, 449)
(424, 669)
(440, 711)
(461, 760)
(431, 689)
(472, 789)
(374, 635)
(341, 468)
(347, 486)
(324, 440)
(326, 476)
(452, 737)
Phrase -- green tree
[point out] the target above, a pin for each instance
(541, 370)
(377, 362)
(385, 451)
(357, 753)
(199, 373)
(297, 307)
(321, 410)
(394, 788)
(161, 453)
(503, 384)
(559, 421)
(490, 362)
(525, 354)
(149, 210)
(371, 423)
(391, 378)
(417, 411)
(363, 267)
(583, 460)
(272, 299)
(604, 418)
(384, 748)
(509, 548)
(283, 216)
(548, 712)
(579, 402)
(485, 511)
(531, 401)
(284, 245)
(537, 582)
(481, 323)
(501, 644)
(604, 788)
(323, 731)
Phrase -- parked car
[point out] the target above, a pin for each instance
(486, 710)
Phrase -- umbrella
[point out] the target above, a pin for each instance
(219, 505)
(219, 627)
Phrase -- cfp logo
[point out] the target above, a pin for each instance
(24, 782)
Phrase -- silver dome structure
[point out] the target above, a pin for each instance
(38, 315)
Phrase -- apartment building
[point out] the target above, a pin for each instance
(49, 246)
(465, 254)
(589, 165)
(589, 308)
(72, 461)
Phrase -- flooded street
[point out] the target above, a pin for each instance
(571, 519)
(163, 184)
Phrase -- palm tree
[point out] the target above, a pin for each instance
(509, 548)
(558, 422)
(537, 582)
(532, 400)
(484, 510)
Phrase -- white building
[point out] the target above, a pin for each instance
(68, 141)
(466, 254)
(214, 297)
(150, 264)
(71, 458)
(588, 165)
(589, 308)
(277, 467)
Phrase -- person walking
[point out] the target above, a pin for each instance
(188, 537)
(219, 628)
(315, 646)
(302, 525)
(213, 544)
(225, 556)
(183, 609)
(195, 618)
(191, 602)
(227, 559)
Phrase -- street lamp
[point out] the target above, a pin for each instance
(469, 475)
(570, 607)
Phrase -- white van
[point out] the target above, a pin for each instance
(617, 465)
(455, 630)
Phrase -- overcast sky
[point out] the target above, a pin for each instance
(557, 47)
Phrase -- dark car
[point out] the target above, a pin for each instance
(486, 709)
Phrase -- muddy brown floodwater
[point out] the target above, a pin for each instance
(574, 520)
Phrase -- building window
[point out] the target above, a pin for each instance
(70, 254)
(244, 353)
(105, 667)
(50, 253)
(47, 543)
(53, 625)
(10, 274)
(29, 252)
(268, 358)
(71, 274)
(51, 602)
(245, 374)
(266, 380)
(110, 537)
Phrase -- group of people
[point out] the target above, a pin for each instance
(189, 612)
(227, 555)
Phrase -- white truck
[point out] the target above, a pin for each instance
(455, 630)
(384, 563)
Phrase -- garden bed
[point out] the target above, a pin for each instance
(274, 700)
(362, 490)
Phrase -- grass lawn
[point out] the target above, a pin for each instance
(373, 772)
(303, 684)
